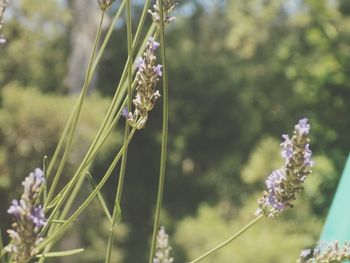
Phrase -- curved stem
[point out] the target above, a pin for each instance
(226, 242)
(163, 157)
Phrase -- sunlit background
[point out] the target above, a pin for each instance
(241, 73)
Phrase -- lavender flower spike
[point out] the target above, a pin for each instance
(28, 219)
(324, 252)
(147, 77)
(168, 7)
(163, 249)
(284, 184)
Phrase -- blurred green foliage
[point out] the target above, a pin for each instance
(241, 73)
(39, 45)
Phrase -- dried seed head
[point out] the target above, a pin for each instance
(104, 4)
(168, 7)
(163, 249)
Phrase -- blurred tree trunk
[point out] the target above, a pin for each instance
(85, 23)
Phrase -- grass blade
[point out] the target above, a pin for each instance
(99, 197)
(61, 253)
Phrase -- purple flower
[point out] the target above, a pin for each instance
(274, 203)
(307, 156)
(37, 217)
(284, 184)
(140, 63)
(125, 112)
(273, 183)
(33, 182)
(303, 127)
(28, 219)
(153, 44)
(15, 209)
(287, 148)
(274, 179)
(158, 70)
(147, 76)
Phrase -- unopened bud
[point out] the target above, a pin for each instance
(104, 4)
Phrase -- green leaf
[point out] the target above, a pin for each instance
(45, 184)
(100, 198)
(60, 253)
(57, 221)
(118, 212)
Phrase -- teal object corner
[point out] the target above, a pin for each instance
(337, 225)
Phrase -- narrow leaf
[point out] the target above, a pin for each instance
(57, 221)
(45, 184)
(118, 212)
(99, 197)
(60, 253)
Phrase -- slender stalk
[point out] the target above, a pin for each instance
(61, 230)
(164, 133)
(115, 214)
(129, 90)
(92, 149)
(107, 37)
(114, 104)
(102, 133)
(226, 242)
(61, 142)
(98, 141)
(77, 115)
(94, 66)
(71, 126)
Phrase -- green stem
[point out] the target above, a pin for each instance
(163, 157)
(107, 37)
(76, 116)
(94, 66)
(113, 106)
(110, 111)
(129, 90)
(226, 242)
(98, 141)
(61, 230)
(116, 208)
(85, 167)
